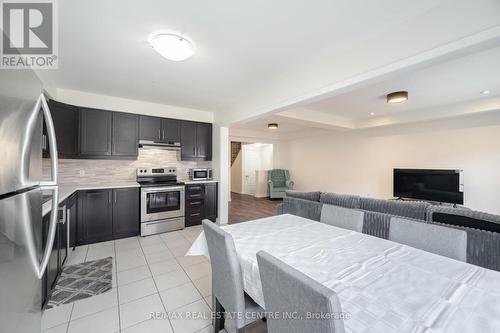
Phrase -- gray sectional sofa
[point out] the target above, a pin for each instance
(483, 230)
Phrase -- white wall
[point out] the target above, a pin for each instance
(221, 164)
(112, 103)
(361, 162)
(266, 157)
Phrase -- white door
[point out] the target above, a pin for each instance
(251, 163)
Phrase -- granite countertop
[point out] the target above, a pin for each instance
(66, 190)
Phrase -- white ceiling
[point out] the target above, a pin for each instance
(285, 125)
(250, 54)
(442, 90)
(451, 82)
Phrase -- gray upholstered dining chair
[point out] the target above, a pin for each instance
(227, 280)
(342, 217)
(288, 291)
(448, 242)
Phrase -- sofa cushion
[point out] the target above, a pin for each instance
(300, 207)
(280, 189)
(342, 200)
(313, 196)
(342, 217)
(412, 209)
(483, 233)
(376, 224)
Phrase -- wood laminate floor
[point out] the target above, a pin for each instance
(243, 207)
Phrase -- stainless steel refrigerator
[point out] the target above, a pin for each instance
(23, 254)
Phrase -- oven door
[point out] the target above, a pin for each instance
(159, 203)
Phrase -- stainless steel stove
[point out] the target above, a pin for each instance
(162, 200)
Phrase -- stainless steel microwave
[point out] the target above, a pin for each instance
(201, 174)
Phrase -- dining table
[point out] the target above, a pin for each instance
(383, 286)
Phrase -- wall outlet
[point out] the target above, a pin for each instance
(82, 173)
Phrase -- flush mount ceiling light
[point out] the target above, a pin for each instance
(171, 46)
(397, 97)
(272, 126)
(485, 92)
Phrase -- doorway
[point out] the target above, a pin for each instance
(249, 168)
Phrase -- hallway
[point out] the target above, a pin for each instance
(243, 207)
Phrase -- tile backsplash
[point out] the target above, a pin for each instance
(83, 171)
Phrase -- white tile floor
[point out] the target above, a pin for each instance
(151, 275)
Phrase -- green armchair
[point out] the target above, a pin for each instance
(279, 182)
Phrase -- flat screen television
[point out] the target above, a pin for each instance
(428, 184)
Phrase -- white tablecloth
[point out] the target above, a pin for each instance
(385, 286)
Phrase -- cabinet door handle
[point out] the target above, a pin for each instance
(195, 188)
(163, 135)
(62, 220)
(68, 220)
(195, 214)
(195, 195)
(194, 203)
(159, 134)
(109, 198)
(114, 192)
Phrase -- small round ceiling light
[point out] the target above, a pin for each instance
(272, 126)
(485, 92)
(372, 114)
(172, 47)
(397, 97)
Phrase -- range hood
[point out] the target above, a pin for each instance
(170, 145)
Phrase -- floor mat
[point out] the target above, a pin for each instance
(81, 281)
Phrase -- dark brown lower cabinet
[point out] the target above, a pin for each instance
(91, 216)
(72, 217)
(211, 199)
(107, 214)
(201, 203)
(95, 222)
(59, 252)
(125, 212)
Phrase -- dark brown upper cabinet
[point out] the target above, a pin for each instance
(95, 133)
(150, 128)
(204, 141)
(106, 134)
(125, 134)
(159, 129)
(196, 141)
(170, 130)
(99, 134)
(66, 120)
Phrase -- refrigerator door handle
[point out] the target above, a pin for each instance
(40, 270)
(51, 134)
